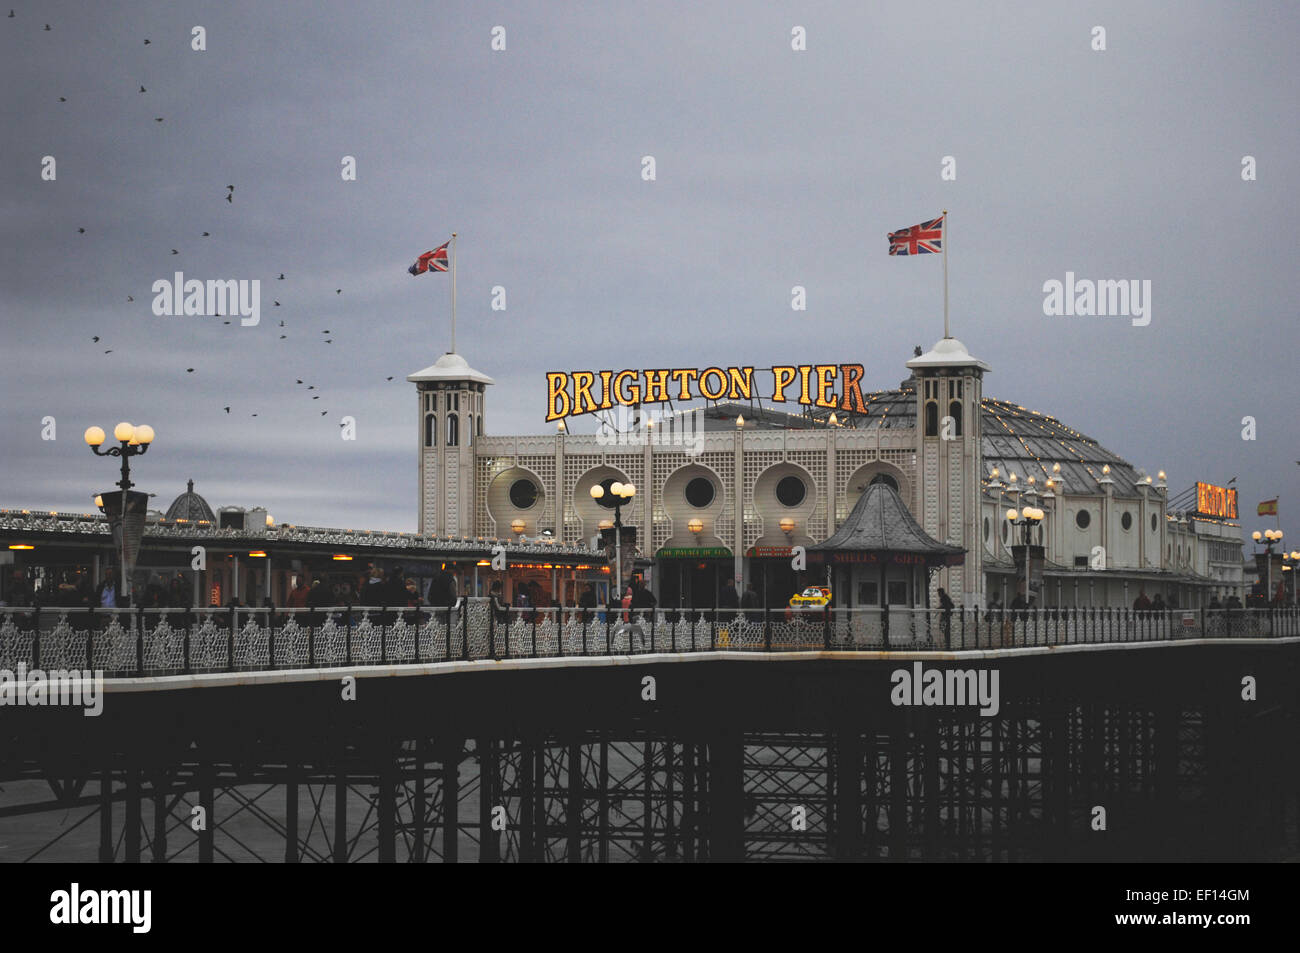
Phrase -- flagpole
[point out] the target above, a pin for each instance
(945, 274)
(453, 292)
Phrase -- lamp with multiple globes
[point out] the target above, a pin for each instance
(622, 494)
(134, 442)
(1027, 518)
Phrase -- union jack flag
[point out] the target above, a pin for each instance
(923, 239)
(435, 260)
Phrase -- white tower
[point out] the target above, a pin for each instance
(948, 426)
(450, 404)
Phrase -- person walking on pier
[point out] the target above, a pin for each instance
(500, 611)
(587, 603)
(727, 598)
(750, 602)
(945, 617)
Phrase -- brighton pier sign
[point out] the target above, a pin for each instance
(569, 393)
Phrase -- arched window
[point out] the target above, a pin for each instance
(453, 430)
(931, 418)
(430, 429)
(954, 411)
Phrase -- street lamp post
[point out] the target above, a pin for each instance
(622, 493)
(135, 441)
(1027, 518)
(1269, 537)
(1290, 563)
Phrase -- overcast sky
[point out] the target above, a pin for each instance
(774, 167)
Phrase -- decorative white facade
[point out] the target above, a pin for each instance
(785, 480)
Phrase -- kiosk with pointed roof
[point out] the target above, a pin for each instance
(882, 548)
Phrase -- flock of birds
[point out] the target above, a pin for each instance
(282, 327)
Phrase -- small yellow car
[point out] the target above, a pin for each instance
(814, 597)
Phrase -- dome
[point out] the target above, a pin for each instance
(949, 352)
(450, 367)
(190, 506)
(1020, 441)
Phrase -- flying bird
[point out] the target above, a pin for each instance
(281, 278)
(309, 386)
(325, 332)
(282, 325)
(283, 336)
(227, 410)
(95, 339)
(277, 304)
(109, 351)
(189, 370)
(231, 198)
(146, 42)
(324, 412)
(328, 341)
(317, 397)
(47, 27)
(338, 291)
(175, 252)
(142, 89)
(11, 13)
(158, 119)
(129, 298)
(299, 382)
(225, 322)
(206, 235)
(81, 231)
(254, 415)
(63, 99)
(389, 378)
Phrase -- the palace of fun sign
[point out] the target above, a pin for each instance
(835, 386)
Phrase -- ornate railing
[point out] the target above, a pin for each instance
(137, 642)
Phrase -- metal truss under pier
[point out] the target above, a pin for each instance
(775, 760)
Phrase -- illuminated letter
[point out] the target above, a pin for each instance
(684, 376)
(582, 402)
(709, 392)
(557, 395)
(852, 374)
(804, 371)
(605, 402)
(742, 383)
(656, 386)
(782, 377)
(635, 398)
(825, 381)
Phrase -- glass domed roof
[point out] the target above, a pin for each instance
(190, 506)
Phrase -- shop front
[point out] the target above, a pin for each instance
(692, 577)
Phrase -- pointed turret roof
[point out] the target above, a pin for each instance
(881, 522)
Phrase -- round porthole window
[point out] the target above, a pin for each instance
(1126, 521)
(1082, 519)
(791, 491)
(699, 492)
(523, 494)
